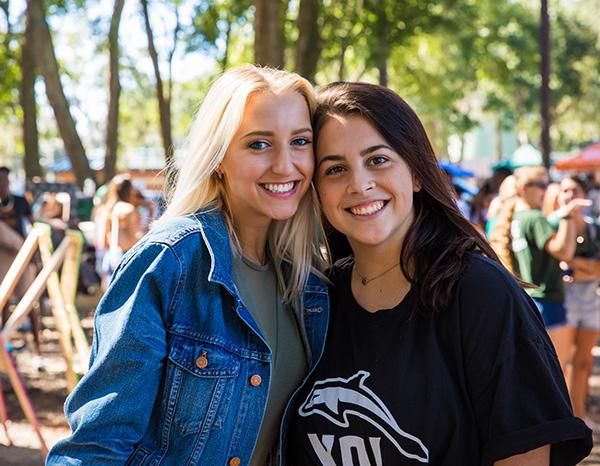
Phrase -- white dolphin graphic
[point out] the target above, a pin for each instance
(358, 400)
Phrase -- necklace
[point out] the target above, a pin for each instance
(365, 281)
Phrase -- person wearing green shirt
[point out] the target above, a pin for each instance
(532, 248)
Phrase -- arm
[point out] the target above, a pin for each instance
(538, 457)
(110, 408)
(562, 244)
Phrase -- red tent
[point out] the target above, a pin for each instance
(587, 159)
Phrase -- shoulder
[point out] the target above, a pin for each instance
(489, 300)
(182, 236)
(482, 272)
(184, 229)
(532, 216)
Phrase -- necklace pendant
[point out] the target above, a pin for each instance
(364, 280)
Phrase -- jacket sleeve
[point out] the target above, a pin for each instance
(109, 410)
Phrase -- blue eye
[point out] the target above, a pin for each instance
(258, 145)
(301, 142)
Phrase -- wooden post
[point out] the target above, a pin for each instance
(18, 266)
(7, 364)
(68, 281)
(57, 301)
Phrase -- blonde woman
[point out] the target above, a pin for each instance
(214, 318)
(532, 248)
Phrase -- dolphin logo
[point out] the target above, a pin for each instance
(337, 398)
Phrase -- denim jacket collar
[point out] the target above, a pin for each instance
(216, 238)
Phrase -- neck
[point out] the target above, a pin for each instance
(372, 260)
(522, 204)
(253, 241)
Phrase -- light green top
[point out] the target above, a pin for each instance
(530, 231)
(257, 285)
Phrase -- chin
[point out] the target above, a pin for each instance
(283, 214)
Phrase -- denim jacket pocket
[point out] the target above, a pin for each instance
(138, 457)
(202, 377)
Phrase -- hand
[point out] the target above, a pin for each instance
(575, 206)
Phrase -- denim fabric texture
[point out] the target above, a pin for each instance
(174, 354)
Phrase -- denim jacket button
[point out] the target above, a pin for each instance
(202, 361)
(255, 380)
(235, 461)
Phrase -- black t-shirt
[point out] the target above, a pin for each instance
(14, 210)
(473, 384)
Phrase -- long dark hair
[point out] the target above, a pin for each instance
(433, 253)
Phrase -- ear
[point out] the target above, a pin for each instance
(416, 185)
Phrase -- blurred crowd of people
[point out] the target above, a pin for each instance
(121, 215)
(546, 233)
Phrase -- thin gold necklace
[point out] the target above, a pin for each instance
(365, 281)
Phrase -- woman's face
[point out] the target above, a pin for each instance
(366, 189)
(269, 163)
(569, 190)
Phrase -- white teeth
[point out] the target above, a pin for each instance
(369, 209)
(279, 187)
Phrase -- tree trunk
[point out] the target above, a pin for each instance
(225, 59)
(268, 33)
(28, 104)
(114, 85)
(498, 140)
(309, 39)
(164, 103)
(545, 102)
(46, 60)
(383, 51)
(342, 64)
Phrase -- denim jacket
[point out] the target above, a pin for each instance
(179, 372)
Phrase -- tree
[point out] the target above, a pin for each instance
(545, 102)
(28, 104)
(214, 23)
(164, 93)
(46, 60)
(309, 43)
(112, 122)
(268, 33)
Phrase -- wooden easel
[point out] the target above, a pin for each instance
(62, 297)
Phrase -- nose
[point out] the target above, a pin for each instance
(361, 182)
(283, 163)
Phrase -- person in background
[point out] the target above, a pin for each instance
(480, 204)
(582, 299)
(434, 353)
(213, 319)
(15, 211)
(506, 191)
(121, 227)
(16, 219)
(532, 248)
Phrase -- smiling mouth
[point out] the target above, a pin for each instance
(365, 210)
(280, 188)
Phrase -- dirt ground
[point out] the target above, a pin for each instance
(47, 390)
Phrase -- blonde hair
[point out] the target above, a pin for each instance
(500, 237)
(292, 244)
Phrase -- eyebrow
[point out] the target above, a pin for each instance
(368, 150)
(270, 133)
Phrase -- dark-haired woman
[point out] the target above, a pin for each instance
(582, 301)
(434, 353)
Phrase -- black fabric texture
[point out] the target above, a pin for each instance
(473, 384)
